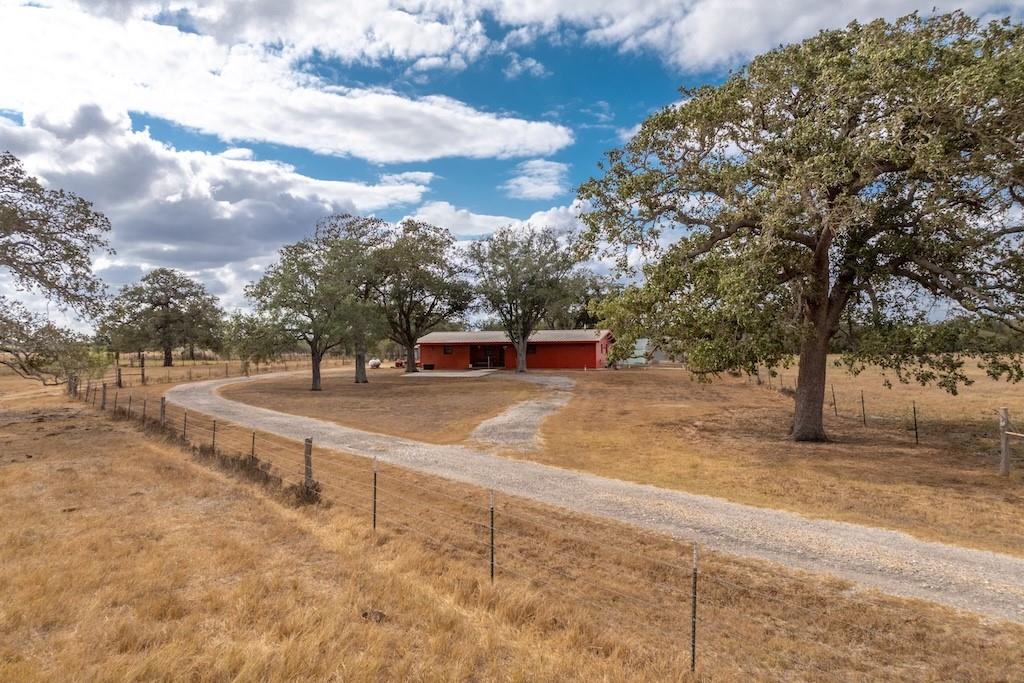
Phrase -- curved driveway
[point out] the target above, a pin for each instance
(983, 582)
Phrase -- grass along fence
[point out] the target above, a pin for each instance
(123, 377)
(855, 406)
(674, 610)
(1007, 433)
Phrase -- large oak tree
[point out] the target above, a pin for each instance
(419, 283)
(318, 292)
(866, 174)
(47, 238)
(165, 310)
(522, 274)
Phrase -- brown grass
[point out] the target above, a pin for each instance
(433, 409)
(729, 439)
(119, 559)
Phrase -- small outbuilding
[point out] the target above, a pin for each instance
(546, 349)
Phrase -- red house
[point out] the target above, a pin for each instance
(547, 349)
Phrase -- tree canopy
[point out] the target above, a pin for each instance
(46, 242)
(318, 291)
(522, 274)
(419, 283)
(164, 310)
(870, 174)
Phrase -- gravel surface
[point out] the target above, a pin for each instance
(518, 427)
(982, 582)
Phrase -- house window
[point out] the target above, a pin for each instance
(448, 350)
(531, 348)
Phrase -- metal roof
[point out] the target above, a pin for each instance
(540, 336)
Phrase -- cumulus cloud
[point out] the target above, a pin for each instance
(517, 66)
(218, 215)
(538, 179)
(693, 35)
(469, 225)
(239, 92)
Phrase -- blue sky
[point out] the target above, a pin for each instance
(211, 132)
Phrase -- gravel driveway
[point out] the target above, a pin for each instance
(983, 582)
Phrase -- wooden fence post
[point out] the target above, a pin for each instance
(308, 453)
(144, 402)
(120, 384)
(835, 406)
(492, 534)
(184, 426)
(103, 396)
(252, 449)
(693, 612)
(917, 437)
(129, 406)
(213, 442)
(863, 410)
(1004, 442)
(163, 411)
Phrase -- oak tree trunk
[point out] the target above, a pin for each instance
(168, 357)
(521, 356)
(360, 367)
(316, 358)
(410, 359)
(808, 424)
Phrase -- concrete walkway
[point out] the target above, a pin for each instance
(983, 582)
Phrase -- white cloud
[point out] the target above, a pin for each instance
(627, 134)
(469, 225)
(239, 92)
(461, 222)
(518, 66)
(693, 35)
(198, 211)
(538, 179)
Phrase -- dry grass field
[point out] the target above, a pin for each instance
(432, 409)
(729, 439)
(120, 558)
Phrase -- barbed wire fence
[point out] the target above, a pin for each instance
(649, 583)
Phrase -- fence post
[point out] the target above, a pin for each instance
(917, 437)
(129, 406)
(375, 493)
(163, 411)
(1004, 442)
(491, 506)
(693, 613)
(308, 453)
(144, 402)
(252, 449)
(225, 369)
(103, 396)
(863, 410)
(835, 406)
(213, 443)
(115, 401)
(142, 372)
(184, 426)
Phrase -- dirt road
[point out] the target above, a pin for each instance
(983, 582)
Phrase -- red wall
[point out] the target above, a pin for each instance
(434, 353)
(550, 355)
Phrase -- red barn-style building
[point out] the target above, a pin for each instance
(547, 349)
